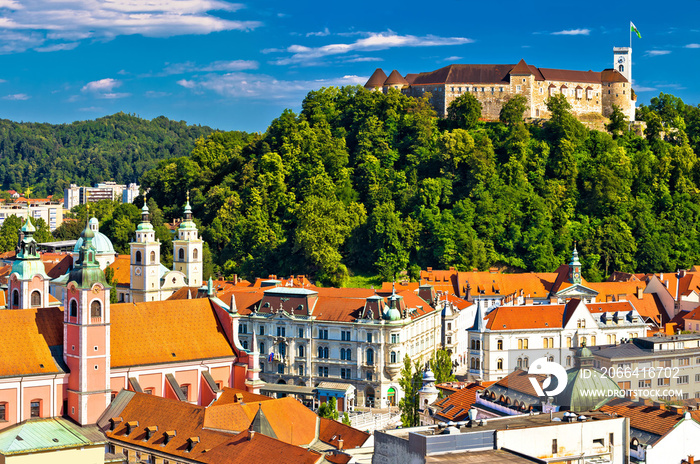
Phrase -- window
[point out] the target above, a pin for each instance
(394, 338)
(280, 369)
(518, 88)
(96, 309)
(662, 382)
(3, 412)
(369, 337)
(625, 385)
(568, 361)
(261, 330)
(153, 257)
(665, 363)
(262, 347)
(35, 408)
(281, 331)
(345, 335)
(148, 391)
(243, 329)
(300, 369)
(138, 257)
(195, 253)
(393, 357)
(301, 351)
(522, 343)
(368, 376)
(245, 344)
(181, 254)
(370, 357)
(282, 349)
(568, 342)
(621, 68)
(579, 93)
(682, 380)
(555, 447)
(185, 391)
(599, 442)
(36, 298)
(499, 344)
(499, 364)
(684, 361)
(300, 333)
(322, 371)
(323, 334)
(73, 308)
(697, 377)
(646, 383)
(344, 373)
(589, 94)
(592, 340)
(15, 298)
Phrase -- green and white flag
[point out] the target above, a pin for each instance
(634, 29)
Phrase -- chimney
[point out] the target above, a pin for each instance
(621, 297)
(608, 298)
(340, 443)
(251, 434)
(648, 402)
(677, 409)
(640, 293)
(235, 279)
(681, 273)
(691, 459)
(660, 406)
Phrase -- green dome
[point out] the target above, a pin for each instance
(28, 268)
(392, 314)
(87, 271)
(586, 379)
(102, 244)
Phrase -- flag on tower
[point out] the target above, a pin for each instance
(634, 29)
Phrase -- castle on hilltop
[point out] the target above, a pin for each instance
(588, 92)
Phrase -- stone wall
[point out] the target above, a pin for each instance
(582, 102)
(618, 93)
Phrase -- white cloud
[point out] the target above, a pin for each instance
(17, 97)
(693, 45)
(573, 32)
(375, 41)
(644, 89)
(156, 94)
(2, 81)
(322, 33)
(215, 66)
(453, 58)
(362, 59)
(104, 88)
(41, 21)
(657, 52)
(262, 86)
(57, 47)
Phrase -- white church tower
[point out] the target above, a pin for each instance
(622, 61)
(187, 249)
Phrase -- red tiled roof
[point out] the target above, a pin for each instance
(395, 79)
(460, 401)
(230, 395)
(612, 75)
(521, 68)
(122, 269)
(376, 79)
(646, 418)
(332, 431)
(693, 315)
(256, 448)
(526, 317)
(158, 332)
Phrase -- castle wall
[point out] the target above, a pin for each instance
(617, 93)
(581, 103)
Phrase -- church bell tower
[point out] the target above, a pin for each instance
(145, 260)
(187, 249)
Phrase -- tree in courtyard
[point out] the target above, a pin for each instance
(329, 410)
(410, 382)
(464, 111)
(441, 365)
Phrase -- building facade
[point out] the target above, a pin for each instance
(588, 92)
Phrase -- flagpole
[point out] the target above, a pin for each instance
(630, 34)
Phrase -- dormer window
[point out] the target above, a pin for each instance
(150, 431)
(168, 435)
(191, 443)
(130, 426)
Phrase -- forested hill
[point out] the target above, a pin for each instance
(364, 181)
(121, 147)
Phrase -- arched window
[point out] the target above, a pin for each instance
(15, 299)
(621, 68)
(283, 349)
(550, 359)
(73, 308)
(320, 351)
(36, 298)
(370, 357)
(348, 354)
(245, 344)
(499, 364)
(262, 347)
(526, 363)
(301, 351)
(181, 254)
(393, 357)
(3, 411)
(153, 257)
(520, 363)
(138, 257)
(472, 364)
(195, 253)
(96, 309)
(568, 361)
(325, 352)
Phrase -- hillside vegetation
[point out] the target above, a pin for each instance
(371, 183)
(47, 157)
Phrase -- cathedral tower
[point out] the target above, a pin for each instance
(29, 284)
(575, 268)
(86, 329)
(145, 261)
(187, 249)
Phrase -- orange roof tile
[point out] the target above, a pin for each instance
(229, 395)
(56, 264)
(519, 381)
(256, 448)
(332, 431)
(122, 269)
(693, 315)
(159, 332)
(291, 421)
(27, 336)
(526, 317)
(650, 306)
(460, 402)
(610, 307)
(646, 418)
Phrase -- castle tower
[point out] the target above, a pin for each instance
(575, 268)
(29, 284)
(187, 249)
(622, 61)
(86, 329)
(145, 261)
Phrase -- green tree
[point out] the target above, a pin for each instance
(464, 111)
(346, 419)
(441, 365)
(618, 122)
(329, 410)
(410, 382)
(112, 281)
(513, 110)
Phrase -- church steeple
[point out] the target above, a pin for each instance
(145, 260)
(575, 268)
(25, 291)
(187, 249)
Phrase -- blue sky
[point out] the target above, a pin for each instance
(236, 66)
